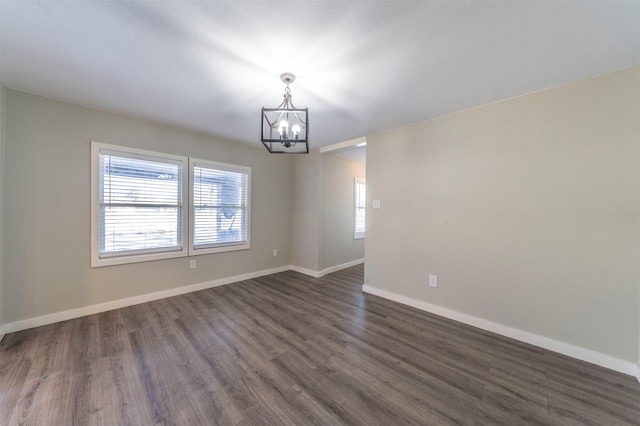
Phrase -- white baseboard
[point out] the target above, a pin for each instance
(325, 271)
(339, 267)
(121, 303)
(143, 298)
(580, 353)
(314, 274)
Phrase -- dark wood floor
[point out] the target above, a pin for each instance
(289, 349)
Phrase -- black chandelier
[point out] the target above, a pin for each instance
(285, 129)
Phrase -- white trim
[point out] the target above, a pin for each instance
(314, 274)
(325, 271)
(331, 269)
(143, 298)
(214, 165)
(181, 251)
(578, 352)
(135, 300)
(2, 332)
(638, 373)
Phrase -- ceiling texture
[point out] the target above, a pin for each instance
(362, 67)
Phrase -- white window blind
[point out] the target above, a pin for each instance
(360, 208)
(220, 207)
(140, 206)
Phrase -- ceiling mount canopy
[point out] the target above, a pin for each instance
(285, 129)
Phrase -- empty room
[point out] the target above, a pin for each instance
(319, 212)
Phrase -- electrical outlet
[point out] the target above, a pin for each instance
(192, 264)
(433, 280)
(275, 252)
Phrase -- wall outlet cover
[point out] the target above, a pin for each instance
(433, 280)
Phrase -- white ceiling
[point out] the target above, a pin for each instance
(362, 66)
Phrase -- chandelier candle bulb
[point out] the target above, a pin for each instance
(283, 127)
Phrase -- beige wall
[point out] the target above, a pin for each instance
(2, 144)
(306, 225)
(339, 246)
(527, 210)
(47, 208)
(322, 224)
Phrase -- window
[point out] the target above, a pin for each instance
(360, 194)
(139, 208)
(137, 205)
(220, 201)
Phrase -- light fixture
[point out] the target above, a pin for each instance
(285, 129)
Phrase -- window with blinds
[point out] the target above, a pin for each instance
(360, 208)
(139, 197)
(220, 212)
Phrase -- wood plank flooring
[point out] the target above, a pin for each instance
(290, 349)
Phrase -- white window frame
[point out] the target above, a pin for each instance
(358, 181)
(142, 256)
(223, 247)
